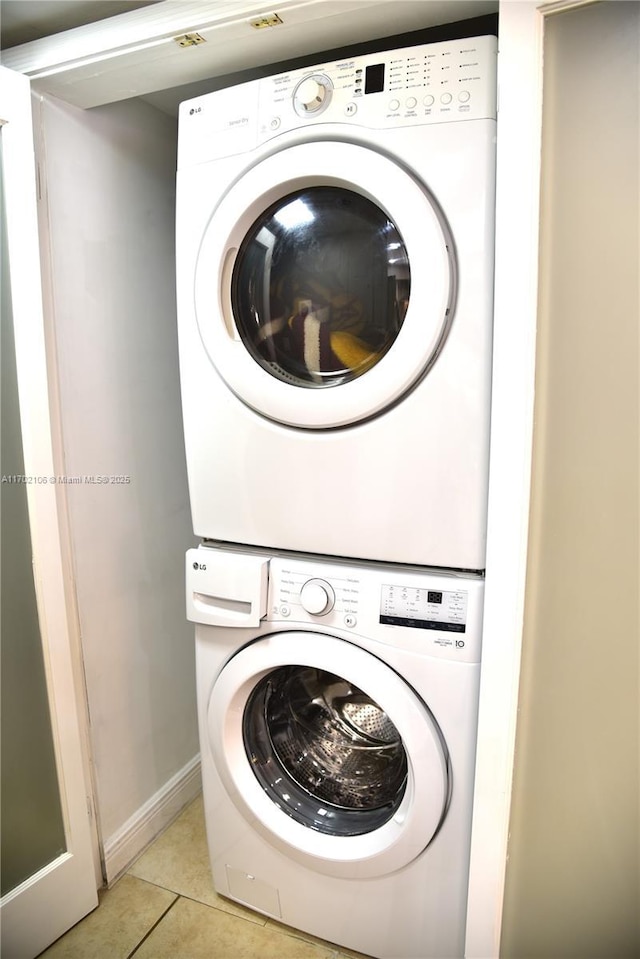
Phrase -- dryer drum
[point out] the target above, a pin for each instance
(324, 751)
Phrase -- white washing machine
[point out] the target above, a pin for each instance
(335, 270)
(337, 709)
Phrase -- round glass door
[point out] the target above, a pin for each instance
(320, 286)
(324, 285)
(328, 753)
(324, 751)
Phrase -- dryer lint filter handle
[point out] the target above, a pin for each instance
(226, 590)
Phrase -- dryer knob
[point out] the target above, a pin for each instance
(317, 597)
(311, 95)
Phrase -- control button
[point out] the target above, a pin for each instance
(317, 597)
(411, 103)
(446, 98)
(428, 101)
(351, 109)
(312, 95)
(464, 96)
(274, 123)
(394, 105)
(350, 620)
(285, 611)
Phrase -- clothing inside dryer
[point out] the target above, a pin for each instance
(324, 751)
(320, 286)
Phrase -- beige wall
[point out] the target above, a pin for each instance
(572, 876)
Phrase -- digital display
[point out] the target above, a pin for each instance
(374, 78)
(419, 608)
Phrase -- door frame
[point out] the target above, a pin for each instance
(519, 145)
(46, 904)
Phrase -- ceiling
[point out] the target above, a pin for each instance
(93, 52)
(24, 20)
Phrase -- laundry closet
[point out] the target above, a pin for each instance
(107, 215)
(108, 176)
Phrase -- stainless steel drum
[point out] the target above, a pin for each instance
(324, 751)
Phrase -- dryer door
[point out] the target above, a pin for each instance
(324, 285)
(329, 753)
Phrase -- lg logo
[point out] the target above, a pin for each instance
(199, 565)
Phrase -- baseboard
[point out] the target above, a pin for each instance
(156, 814)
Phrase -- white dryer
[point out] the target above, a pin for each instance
(337, 709)
(335, 270)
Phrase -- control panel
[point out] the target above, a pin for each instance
(437, 613)
(435, 82)
(295, 592)
(432, 612)
(432, 83)
(421, 608)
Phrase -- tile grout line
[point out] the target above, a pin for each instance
(335, 950)
(293, 934)
(207, 905)
(153, 927)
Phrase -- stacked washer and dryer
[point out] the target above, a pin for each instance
(335, 267)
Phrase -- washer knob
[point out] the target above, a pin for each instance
(317, 597)
(312, 95)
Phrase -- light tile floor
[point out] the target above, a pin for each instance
(165, 907)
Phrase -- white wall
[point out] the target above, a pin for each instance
(109, 179)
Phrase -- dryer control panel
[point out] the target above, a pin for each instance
(432, 83)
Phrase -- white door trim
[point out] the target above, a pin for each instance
(47, 903)
(520, 79)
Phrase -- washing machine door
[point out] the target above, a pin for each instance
(325, 285)
(329, 753)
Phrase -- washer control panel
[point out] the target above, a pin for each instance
(434, 612)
